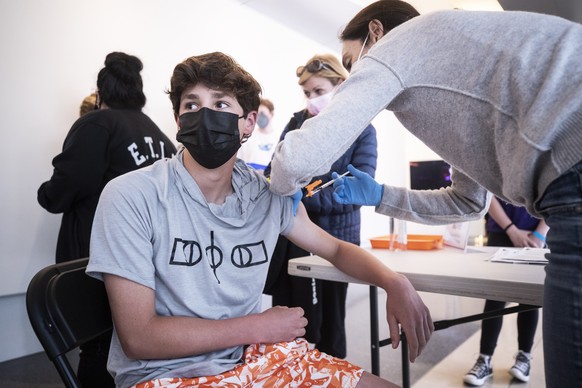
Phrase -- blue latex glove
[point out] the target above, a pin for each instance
(358, 189)
(296, 199)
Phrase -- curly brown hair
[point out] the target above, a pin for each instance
(216, 71)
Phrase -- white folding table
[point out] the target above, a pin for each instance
(444, 271)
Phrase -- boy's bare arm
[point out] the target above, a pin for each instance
(404, 307)
(145, 335)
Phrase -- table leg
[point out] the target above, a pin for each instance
(374, 336)
(405, 363)
(439, 325)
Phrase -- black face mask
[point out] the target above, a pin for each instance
(211, 137)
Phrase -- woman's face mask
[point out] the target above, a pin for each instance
(317, 104)
(363, 46)
(211, 137)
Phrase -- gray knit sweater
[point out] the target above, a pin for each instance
(498, 95)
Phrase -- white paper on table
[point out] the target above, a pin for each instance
(520, 256)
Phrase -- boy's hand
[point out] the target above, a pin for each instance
(358, 189)
(282, 324)
(405, 309)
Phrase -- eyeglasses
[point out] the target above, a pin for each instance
(313, 67)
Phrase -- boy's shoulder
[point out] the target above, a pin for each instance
(245, 175)
(254, 184)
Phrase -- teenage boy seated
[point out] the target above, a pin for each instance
(183, 247)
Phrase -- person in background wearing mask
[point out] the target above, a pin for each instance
(498, 95)
(183, 247)
(508, 226)
(114, 137)
(324, 302)
(258, 149)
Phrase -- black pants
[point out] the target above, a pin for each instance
(324, 301)
(527, 321)
(92, 371)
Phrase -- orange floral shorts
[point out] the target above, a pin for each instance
(285, 364)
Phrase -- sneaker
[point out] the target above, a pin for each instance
(480, 372)
(520, 370)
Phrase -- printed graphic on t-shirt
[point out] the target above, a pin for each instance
(155, 152)
(190, 253)
(266, 146)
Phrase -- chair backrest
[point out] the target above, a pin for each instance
(67, 308)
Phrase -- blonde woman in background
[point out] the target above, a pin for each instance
(323, 301)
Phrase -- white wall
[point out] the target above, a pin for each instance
(51, 54)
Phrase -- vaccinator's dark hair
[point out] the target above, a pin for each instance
(216, 71)
(391, 13)
(119, 83)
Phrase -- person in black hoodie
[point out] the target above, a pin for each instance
(115, 138)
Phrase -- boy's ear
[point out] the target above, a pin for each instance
(250, 122)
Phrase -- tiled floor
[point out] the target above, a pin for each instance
(448, 356)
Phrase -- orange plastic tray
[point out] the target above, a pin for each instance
(413, 241)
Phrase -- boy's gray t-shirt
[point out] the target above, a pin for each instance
(154, 227)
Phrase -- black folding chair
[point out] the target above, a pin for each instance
(67, 308)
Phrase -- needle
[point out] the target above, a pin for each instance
(327, 184)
